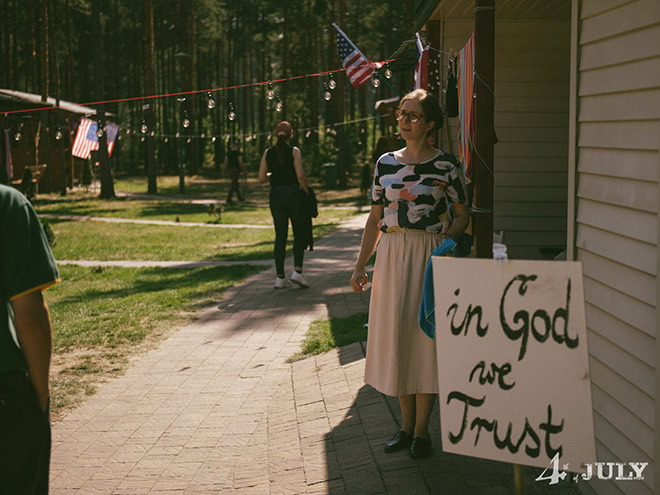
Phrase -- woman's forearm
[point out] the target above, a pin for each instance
(370, 238)
(460, 223)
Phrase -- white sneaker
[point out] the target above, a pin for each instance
(299, 279)
(281, 283)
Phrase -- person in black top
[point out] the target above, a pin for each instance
(234, 161)
(282, 166)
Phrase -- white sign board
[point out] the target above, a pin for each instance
(513, 363)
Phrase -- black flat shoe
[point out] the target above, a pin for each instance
(420, 448)
(398, 442)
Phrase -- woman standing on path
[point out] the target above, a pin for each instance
(411, 196)
(282, 166)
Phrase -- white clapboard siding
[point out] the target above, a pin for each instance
(632, 426)
(531, 123)
(616, 205)
(635, 224)
(620, 277)
(617, 387)
(627, 163)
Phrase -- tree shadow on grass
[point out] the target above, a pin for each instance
(153, 280)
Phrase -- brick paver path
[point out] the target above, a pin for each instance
(216, 409)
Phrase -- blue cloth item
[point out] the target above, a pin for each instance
(427, 307)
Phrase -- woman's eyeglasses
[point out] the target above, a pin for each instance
(411, 117)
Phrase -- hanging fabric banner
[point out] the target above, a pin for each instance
(466, 106)
(422, 67)
(8, 162)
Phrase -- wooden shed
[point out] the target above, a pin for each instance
(577, 114)
(55, 153)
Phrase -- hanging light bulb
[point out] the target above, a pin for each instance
(142, 139)
(152, 133)
(186, 120)
(213, 139)
(388, 74)
(165, 140)
(19, 134)
(232, 115)
(144, 127)
(99, 131)
(128, 131)
(278, 106)
(270, 93)
(375, 81)
(58, 134)
(307, 134)
(331, 83)
(203, 135)
(210, 102)
(254, 136)
(188, 140)
(327, 95)
(178, 134)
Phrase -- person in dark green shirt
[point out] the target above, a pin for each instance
(26, 268)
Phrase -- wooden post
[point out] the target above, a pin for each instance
(519, 479)
(484, 84)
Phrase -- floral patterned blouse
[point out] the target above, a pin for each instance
(418, 195)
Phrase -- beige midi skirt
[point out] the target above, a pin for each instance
(401, 358)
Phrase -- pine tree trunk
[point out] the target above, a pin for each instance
(70, 80)
(41, 153)
(342, 164)
(192, 75)
(150, 88)
(34, 62)
(285, 58)
(5, 47)
(107, 184)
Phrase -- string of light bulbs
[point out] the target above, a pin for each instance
(247, 136)
(211, 101)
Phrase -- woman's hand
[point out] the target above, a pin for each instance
(359, 280)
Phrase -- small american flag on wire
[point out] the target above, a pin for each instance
(87, 140)
(358, 67)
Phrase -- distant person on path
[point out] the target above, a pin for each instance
(233, 161)
(282, 166)
(26, 268)
(412, 192)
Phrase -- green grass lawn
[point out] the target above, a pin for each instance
(100, 317)
(324, 335)
(213, 187)
(85, 204)
(101, 241)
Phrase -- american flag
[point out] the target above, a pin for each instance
(422, 68)
(358, 67)
(87, 140)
